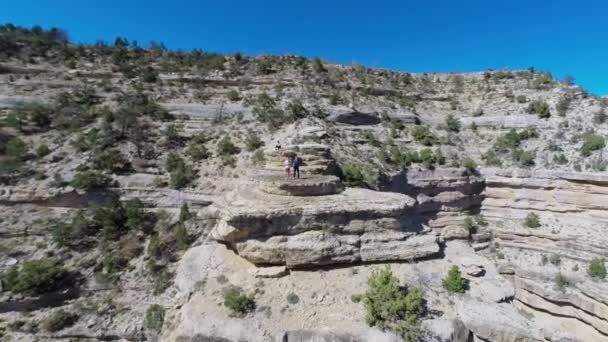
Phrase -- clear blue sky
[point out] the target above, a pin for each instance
(564, 37)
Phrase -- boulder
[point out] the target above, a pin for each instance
(497, 322)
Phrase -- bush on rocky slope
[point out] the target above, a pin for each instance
(592, 142)
(597, 268)
(390, 307)
(35, 277)
(540, 108)
(60, 320)
(155, 317)
(532, 220)
(454, 282)
(238, 303)
(90, 180)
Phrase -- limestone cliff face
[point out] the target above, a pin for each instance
(352, 226)
(573, 212)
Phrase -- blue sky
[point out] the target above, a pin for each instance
(564, 37)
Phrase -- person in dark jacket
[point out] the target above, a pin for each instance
(297, 162)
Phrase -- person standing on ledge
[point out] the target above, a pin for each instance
(288, 164)
(296, 166)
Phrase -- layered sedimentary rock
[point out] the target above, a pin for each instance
(307, 185)
(444, 196)
(352, 226)
(572, 208)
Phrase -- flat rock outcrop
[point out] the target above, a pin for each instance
(307, 185)
(352, 226)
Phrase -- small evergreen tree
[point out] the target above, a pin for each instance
(182, 238)
(454, 282)
(184, 213)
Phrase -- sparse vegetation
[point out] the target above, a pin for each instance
(423, 135)
(540, 108)
(597, 268)
(469, 164)
(155, 317)
(452, 124)
(532, 220)
(35, 277)
(390, 307)
(454, 282)
(592, 142)
(253, 141)
(60, 320)
(90, 180)
(238, 303)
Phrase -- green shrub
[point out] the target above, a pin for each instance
(540, 108)
(227, 147)
(42, 151)
(521, 99)
(181, 176)
(60, 320)
(452, 124)
(469, 164)
(233, 95)
(182, 238)
(563, 105)
(532, 221)
(155, 317)
(61, 233)
(600, 116)
(172, 161)
(113, 262)
(525, 158)
(597, 268)
(427, 158)
(24, 114)
(555, 259)
(454, 282)
(238, 303)
(317, 65)
(149, 74)
(154, 247)
(90, 180)
(388, 306)
(172, 135)
(184, 213)
(253, 141)
(593, 142)
(265, 111)
(16, 149)
(296, 110)
(560, 159)
(423, 135)
(469, 224)
(358, 175)
(36, 277)
(197, 152)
